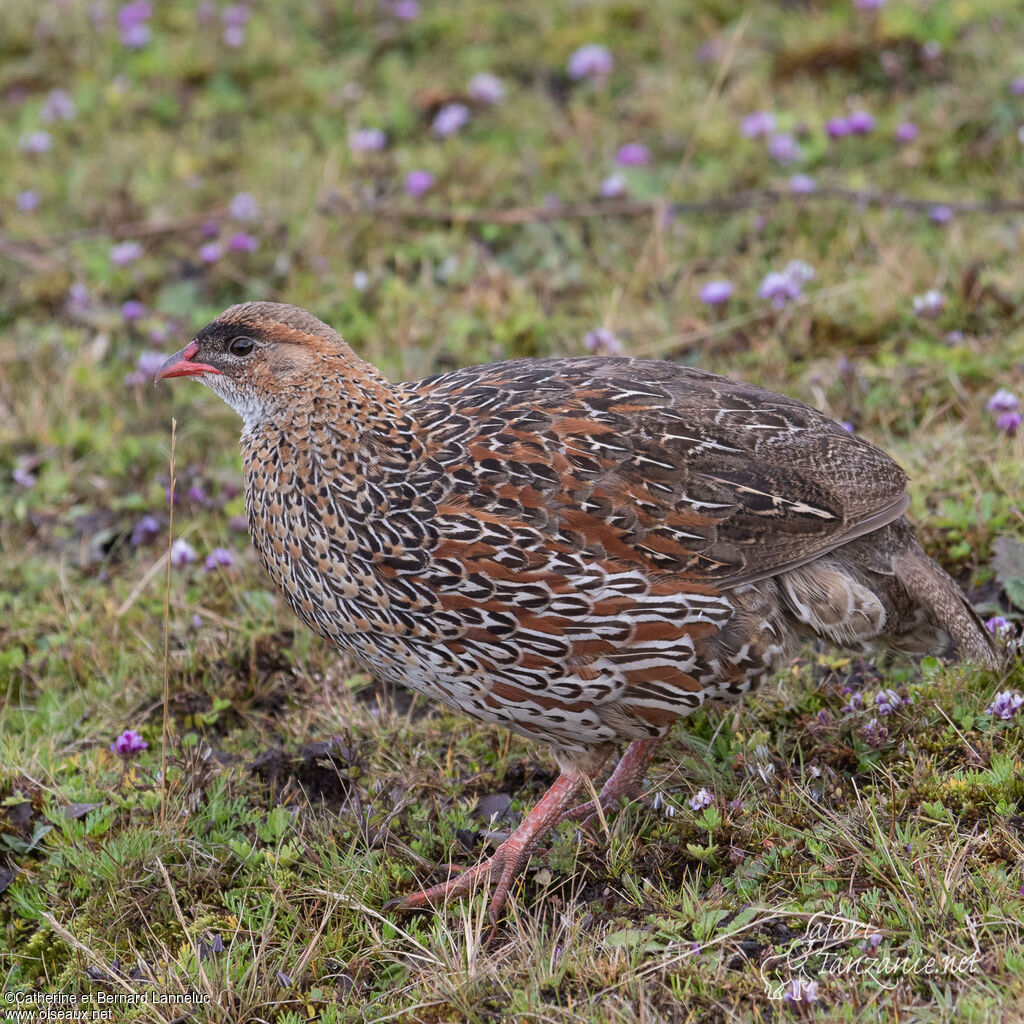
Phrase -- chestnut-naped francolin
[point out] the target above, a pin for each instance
(582, 550)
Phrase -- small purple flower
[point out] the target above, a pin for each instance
(241, 241)
(132, 21)
(243, 206)
(1003, 400)
(931, 50)
(406, 10)
(800, 271)
(27, 201)
(784, 148)
(35, 142)
(590, 61)
(79, 299)
(998, 625)
(633, 154)
(486, 88)
(146, 367)
(701, 799)
(236, 14)
(613, 187)
(853, 705)
(450, 120)
(124, 253)
(888, 701)
(780, 288)
(210, 252)
(1006, 705)
(837, 127)
(874, 732)
(871, 943)
(940, 214)
(234, 36)
(418, 183)
(58, 106)
(1009, 423)
(239, 524)
(861, 122)
(716, 293)
(133, 310)
(603, 342)
(145, 531)
(182, 553)
(929, 305)
(1017, 86)
(367, 140)
(219, 557)
(197, 622)
(906, 131)
(196, 493)
(128, 744)
(869, 5)
(758, 125)
(801, 992)
(846, 425)
(22, 477)
(135, 37)
(802, 184)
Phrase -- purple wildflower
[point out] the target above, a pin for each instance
(603, 342)
(486, 88)
(450, 120)
(367, 140)
(861, 122)
(235, 17)
(210, 252)
(869, 5)
(243, 206)
(133, 310)
(1003, 400)
(590, 61)
(929, 305)
(701, 799)
(238, 523)
(853, 705)
(1017, 86)
(801, 992)
(846, 425)
(716, 293)
(219, 557)
(196, 493)
(124, 253)
(633, 154)
(197, 622)
(146, 366)
(145, 531)
(22, 477)
(800, 271)
(35, 142)
(874, 732)
(241, 241)
(757, 125)
(998, 625)
(58, 106)
(887, 701)
(780, 288)
(128, 744)
(837, 128)
(940, 214)
(182, 553)
(417, 183)
(613, 187)
(931, 50)
(406, 10)
(906, 131)
(802, 184)
(79, 299)
(1006, 705)
(1009, 422)
(784, 148)
(27, 201)
(132, 20)
(871, 943)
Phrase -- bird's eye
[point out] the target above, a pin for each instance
(241, 346)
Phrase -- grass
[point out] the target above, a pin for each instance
(299, 794)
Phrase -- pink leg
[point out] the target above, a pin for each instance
(623, 783)
(509, 858)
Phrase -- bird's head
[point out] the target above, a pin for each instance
(254, 354)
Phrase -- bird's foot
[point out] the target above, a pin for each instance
(624, 784)
(508, 859)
